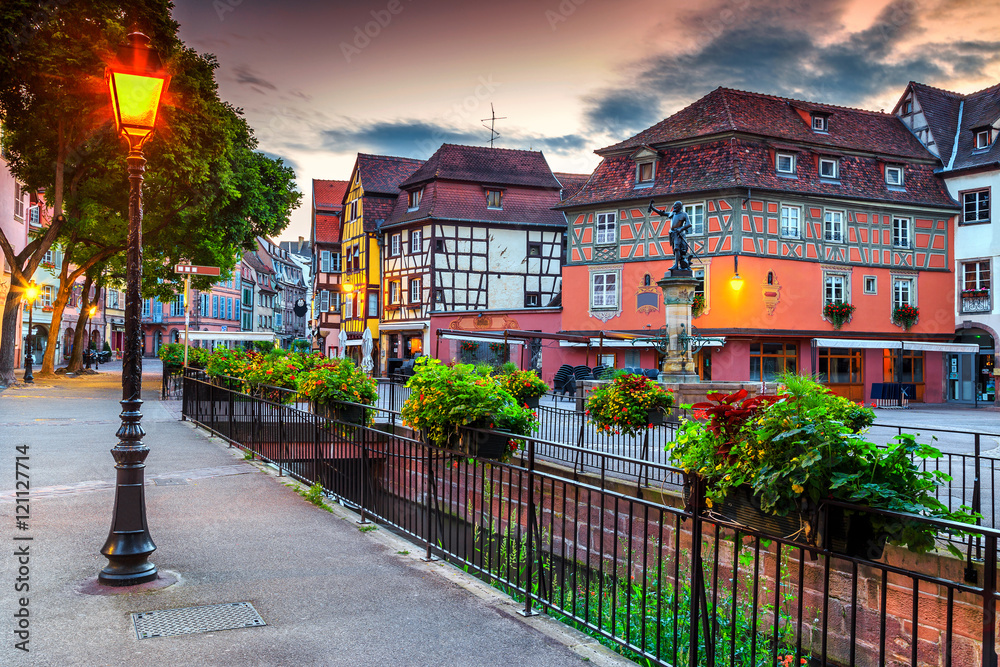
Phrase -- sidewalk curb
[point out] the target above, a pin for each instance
(588, 648)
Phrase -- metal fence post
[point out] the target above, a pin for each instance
(428, 501)
(316, 450)
(365, 437)
(990, 603)
(977, 498)
(529, 557)
(281, 441)
(211, 407)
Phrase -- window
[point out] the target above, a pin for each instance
(177, 306)
(769, 360)
(229, 309)
(976, 206)
(393, 292)
(835, 289)
(335, 262)
(902, 292)
(534, 250)
(532, 299)
(828, 168)
(335, 300)
(784, 163)
(604, 290)
(416, 242)
(644, 174)
(18, 201)
(840, 365)
(790, 222)
(438, 245)
(911, 367)
(820, 123)
(145, 308)
(871, 285)
(696, 214)
(699, 275)
(494, 199)
(348, 307)
(439, 296)
(833, 227)
(416, 290)
(33, 215)
(48, 257)
(907, 107)
(324, 261)
(373, 304)
(395, 245)
(901, 232)
(983, 139)
(215, 305)
(606, 228)
(894, 175)
(413, 199)
(976, 275)
(278, 320)
(204, 304)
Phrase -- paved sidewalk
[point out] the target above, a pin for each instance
(229, 532)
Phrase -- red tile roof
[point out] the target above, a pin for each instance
(571, 183)
(725, 111)
(329, 195)
(749, 163)
(450, 200)
(382, 174)
(487, 166)
(327, 227)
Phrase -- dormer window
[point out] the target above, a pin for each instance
(894, 175)
(907, 106)
(828, 168)
(413, 199)
(494, 199)
(644, 173)
(983, 139)
(784, 163)
(820, 123)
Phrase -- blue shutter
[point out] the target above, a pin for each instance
(215, 306)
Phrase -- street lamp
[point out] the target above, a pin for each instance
(136, 81)
(90, 325)
(30, 293)
(736, 282)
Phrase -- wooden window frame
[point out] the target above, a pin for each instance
(978, 205)
(608, 227)
(783, 227)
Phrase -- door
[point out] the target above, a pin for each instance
(961, 378)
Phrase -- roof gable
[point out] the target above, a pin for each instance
(382, 174)
(329, 195)
(488, 166)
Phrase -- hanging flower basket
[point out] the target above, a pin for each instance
(839, 313)
(698, 305)
(905, 316)
(469, 346)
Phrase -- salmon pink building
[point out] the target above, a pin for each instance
(815, 207)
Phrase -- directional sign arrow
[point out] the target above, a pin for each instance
(197, 270)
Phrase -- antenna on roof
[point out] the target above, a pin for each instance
(493, 119)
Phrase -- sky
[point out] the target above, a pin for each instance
(322, 80)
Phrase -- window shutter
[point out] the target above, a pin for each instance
(324, 301)
(324, 261)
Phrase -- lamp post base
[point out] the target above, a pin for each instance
(122, 576)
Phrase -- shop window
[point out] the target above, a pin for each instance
(769, 360)
(840, 365)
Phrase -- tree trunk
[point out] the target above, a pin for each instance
(9, 335)
(49, 358)
(76, 359)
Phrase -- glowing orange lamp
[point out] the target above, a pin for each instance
(136, 80)
(736, 282)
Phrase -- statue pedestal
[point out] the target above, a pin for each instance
(678, 293)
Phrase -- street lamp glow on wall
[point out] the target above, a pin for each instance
(136, 81)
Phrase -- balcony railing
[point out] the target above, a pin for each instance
(976, 304)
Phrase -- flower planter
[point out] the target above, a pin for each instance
(493, 445)
(349, 414)
(532, 402)
(850, 534)
(655, 417)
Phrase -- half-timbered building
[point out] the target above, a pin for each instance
(472, 235)
(810, 204)
(327, 208)
(371, 195)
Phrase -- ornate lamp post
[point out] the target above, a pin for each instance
(136, 80)
(30, 293)
(90, 334)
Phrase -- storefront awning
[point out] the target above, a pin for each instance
(596, 343)
(957, 348)
(855, 343)
(510, 341)
(390, 327)
(229, 335)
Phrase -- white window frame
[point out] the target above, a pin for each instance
(606, 230)
(898, 285)
(902, 234)
(394, 292)
(836, 287)
(894, 169)
(834, 163)
(373, 304)
(603, 278)
(833, 226)
(34, 215)
(787, 230)
(696, 214)
(395, 245)
(416, 242)
(413, 199)
(18, 201)
(983, 139)
(791, 163)
(416, 290)
(639, 181)
(980, 281)
(965, 205)
(47, 295)
(349, 307)
(870, 284)
(820, 123)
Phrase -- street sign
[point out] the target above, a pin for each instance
(197, 270)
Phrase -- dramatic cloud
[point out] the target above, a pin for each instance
(245, 76)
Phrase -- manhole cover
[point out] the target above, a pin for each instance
(192, 620)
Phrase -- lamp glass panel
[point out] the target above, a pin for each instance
(136, 100)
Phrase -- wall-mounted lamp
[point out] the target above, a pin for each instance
(736, 282)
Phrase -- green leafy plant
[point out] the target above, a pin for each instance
(838, 312)
(623, 405)
(523, 385)
(315, 495)
(804, 446)
(444, 398)
(905, 316)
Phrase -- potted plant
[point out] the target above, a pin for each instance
(172, 355)
(698, 305)
(628, 404)
(905, 316)
(769, 462)
(525, 386)
(838, 312)
(223, 364)
(273, 376)
(331, 383)
(445, 398)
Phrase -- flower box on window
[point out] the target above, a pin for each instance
(839, 313)
(905, 316)
(983, 291)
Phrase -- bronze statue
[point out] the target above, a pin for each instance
(680, 225)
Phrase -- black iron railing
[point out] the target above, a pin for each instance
(669, 585)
